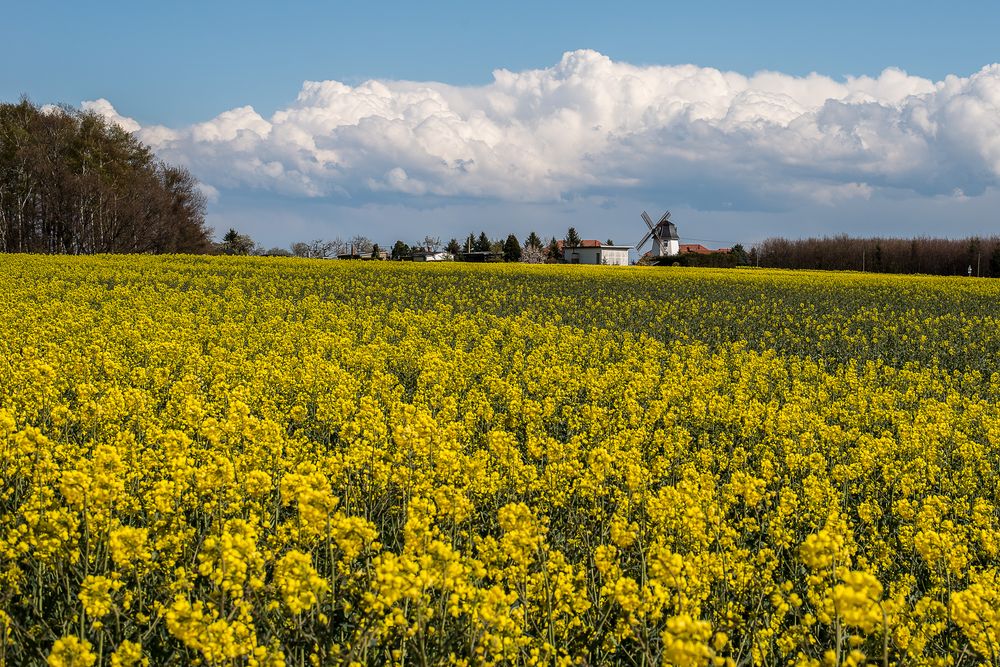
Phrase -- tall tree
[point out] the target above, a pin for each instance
(740, 253)
(72, 182)
(572, 238)
(234, 243)
(317, 248)
(361, 245)
(400, 250)
(533, 241)
(453, 247)
(511, 249)
(553, 251)
(483, 243)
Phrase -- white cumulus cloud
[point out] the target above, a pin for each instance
(590, 126)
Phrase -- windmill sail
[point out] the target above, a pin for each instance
(638, 246)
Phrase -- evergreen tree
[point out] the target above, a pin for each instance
(572, 238)
(511, 249)
(483, 243)
(553, 252)
(533, 241)
(740, 253)
(234, 243)
(453, 247)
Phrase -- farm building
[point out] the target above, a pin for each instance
(695, 248)
(594, 252)
(431, 256)
(380, 255)
(479, 256)
(699, 249)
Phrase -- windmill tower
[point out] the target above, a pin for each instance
(666, 243)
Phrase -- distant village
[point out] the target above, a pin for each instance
(662, 239)
(974, 257)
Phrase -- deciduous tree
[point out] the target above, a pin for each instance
(73, 182)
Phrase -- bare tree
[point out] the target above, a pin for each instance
(318, 248)
(362, 245)
(883, 255)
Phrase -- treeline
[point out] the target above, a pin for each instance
(71, 182)
(534, 250)
(503, 250)
(946, 257)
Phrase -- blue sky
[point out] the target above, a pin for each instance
(176, 65)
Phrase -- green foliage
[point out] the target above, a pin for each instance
(483, 243)
(739, 253)
(552, 251)
(572, 238)
(511, 249)
(400, 250)
(234, 243)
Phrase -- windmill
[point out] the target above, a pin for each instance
(664, 235)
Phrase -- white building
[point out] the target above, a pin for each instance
(431, 256)
(595, 252)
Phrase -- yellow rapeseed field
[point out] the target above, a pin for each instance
(252, 461)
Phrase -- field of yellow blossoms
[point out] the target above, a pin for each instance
(259, 461)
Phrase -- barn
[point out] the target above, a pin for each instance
(594, 252)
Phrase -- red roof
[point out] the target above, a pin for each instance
(585, 243)
(696, 248)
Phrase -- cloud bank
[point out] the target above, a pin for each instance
(592, 127)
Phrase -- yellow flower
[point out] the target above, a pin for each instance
(686, 641)
(128, 654)
(299, 582)
(129, 546)
(857, 600)
(95, 594)
(71, 652)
